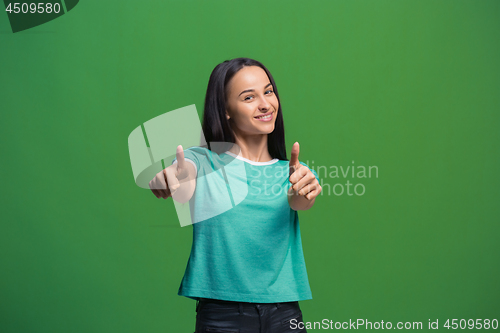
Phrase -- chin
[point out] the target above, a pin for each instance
(270, 131)
(263, 129)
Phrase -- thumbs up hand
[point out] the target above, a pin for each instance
(304, 183)
(176, 181)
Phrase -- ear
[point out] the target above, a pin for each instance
(227, 115)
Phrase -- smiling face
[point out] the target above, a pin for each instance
(250, 95)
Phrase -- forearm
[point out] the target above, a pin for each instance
(298, 202)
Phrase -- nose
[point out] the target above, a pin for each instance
(264, 104)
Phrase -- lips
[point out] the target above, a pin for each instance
(263, 115)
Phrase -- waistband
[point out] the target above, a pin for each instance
(243, 304)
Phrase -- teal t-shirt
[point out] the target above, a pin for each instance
(246, 239)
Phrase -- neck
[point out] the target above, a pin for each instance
(252, 147)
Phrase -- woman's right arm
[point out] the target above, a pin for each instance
(177, 181)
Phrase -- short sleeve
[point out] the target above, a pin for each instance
(312, 170)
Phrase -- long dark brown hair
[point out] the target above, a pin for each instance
(217, 127)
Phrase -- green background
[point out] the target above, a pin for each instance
(411, 87)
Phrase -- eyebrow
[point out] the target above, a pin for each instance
(249, 90)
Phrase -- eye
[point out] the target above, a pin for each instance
(268, 92)
(248, 98)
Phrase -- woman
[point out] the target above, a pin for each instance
(246, 269)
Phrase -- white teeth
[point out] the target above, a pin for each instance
(264, 117)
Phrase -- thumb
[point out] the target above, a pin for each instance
(171, 175)
(294, 158)
(179, 154)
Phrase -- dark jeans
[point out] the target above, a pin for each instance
(218, 316)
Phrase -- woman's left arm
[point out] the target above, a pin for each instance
(305, 187)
